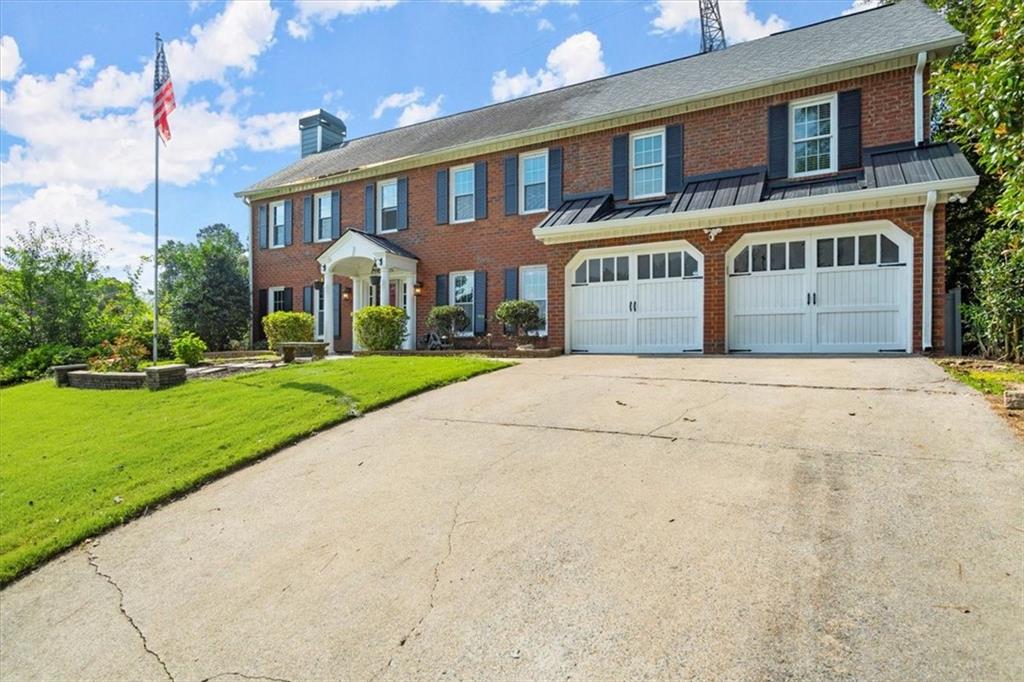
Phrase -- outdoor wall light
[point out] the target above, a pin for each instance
(346, 293)
(417, 288)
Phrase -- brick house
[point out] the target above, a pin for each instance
(781, 195)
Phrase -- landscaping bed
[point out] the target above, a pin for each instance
(470, 352)
(75, 463)
(992, 379)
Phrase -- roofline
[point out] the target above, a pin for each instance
(758, 212)
(935, 48)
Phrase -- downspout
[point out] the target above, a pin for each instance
(926, 270)
(252, 337)
(922, 60)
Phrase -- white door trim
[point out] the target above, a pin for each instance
(632, 250)
(906, 242)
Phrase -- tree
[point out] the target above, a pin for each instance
(205, 286)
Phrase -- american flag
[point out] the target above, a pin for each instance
(163, 94)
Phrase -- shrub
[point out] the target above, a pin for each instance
(996, 320)
(123, 355)
(189, 348)
(447, 320)
(521, 317)
(380, 327)
(34, 363)
(287, 326)
(142, 331)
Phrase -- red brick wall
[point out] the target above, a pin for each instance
(723, 138)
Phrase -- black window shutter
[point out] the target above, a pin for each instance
(287, 222)
(479, 302)
(554, 178)
(288, 298)
(511, 284)
(335, 214)
(261, 303)
(674, 159)
(441, 197)
(261, 223)
(441, 290)
(336, 290)
(511, 184)
(778, 141)
(307, 219)
(480, 189)
(369, 209)
(849, 129)
(403, 203)
(307, 300)
(620, 167)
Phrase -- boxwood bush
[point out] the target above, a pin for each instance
(521, 317)
(447, 320)
(380, 327)
(287, 326)
(189, 348)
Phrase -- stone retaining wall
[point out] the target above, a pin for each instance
(106, 380)
(60, 373)
(481, 352)
(164, 376)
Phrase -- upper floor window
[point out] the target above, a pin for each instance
(277, 224)
(387, 205)
(813, 135)
(647, 164)
(323, 217)
(533, 182)
(463, 202)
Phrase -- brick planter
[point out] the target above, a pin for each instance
(106, 380)
(1013, 398)
(60, 373)
(164, 376)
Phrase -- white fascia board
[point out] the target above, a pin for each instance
(762, 212)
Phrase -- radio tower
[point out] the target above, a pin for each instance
(712, 35)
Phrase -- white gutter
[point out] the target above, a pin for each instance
(760, 212)
(252, 337)
(922, 60)
(926, 270)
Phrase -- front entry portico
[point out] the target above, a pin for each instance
(382, 273)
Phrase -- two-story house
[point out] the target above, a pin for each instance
(781, 195)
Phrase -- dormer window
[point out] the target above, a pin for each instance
(387, 201)
(813, 135)
(647, 164)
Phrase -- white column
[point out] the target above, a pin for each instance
(410, 308)
(358, 293)
(385, 286)
(328, 295)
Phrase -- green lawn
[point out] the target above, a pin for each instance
(75, 462)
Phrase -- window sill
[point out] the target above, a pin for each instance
(277, 246)
(812, 174)
(324, 240)
(647, 198)
(539, 210)
(462, 222)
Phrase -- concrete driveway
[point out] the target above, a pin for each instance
(581, 517)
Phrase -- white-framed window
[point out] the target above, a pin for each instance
(460, 293)
(533, 182)
(275, 299)
(647, 164)
(463, 199)
(387, 205)
(277, 225)
(813, 139)
(533, 286)
(322, 212)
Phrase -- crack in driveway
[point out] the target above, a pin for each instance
(245, 677)
(91, 558)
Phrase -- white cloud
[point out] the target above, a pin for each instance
(417, 113)
(272, 132)
(397, 100)
(10, 58)
(861, 5)
(578, 58)
(492, 6)
(86, 63)
(323, 12)
(496, 6)
(738, 20)
(545, 25)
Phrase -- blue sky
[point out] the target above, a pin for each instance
(76, 137)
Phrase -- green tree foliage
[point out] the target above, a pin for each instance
(997, 318)
(53, 292)
(380, 327)
(981, 94)
(204, 287)
(287, 326)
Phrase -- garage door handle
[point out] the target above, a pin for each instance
(814, 297)
(808, 298)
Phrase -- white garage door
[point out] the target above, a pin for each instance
(827, 291)
(644, 300)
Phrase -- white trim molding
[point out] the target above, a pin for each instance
(763, 212)
(927, 246)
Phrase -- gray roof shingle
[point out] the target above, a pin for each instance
(866, 36)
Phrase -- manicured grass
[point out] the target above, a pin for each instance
(992, 381)
(76, 462)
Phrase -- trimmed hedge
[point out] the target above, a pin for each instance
(380, 327)
(287, 326)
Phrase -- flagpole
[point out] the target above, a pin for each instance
(156, 228)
